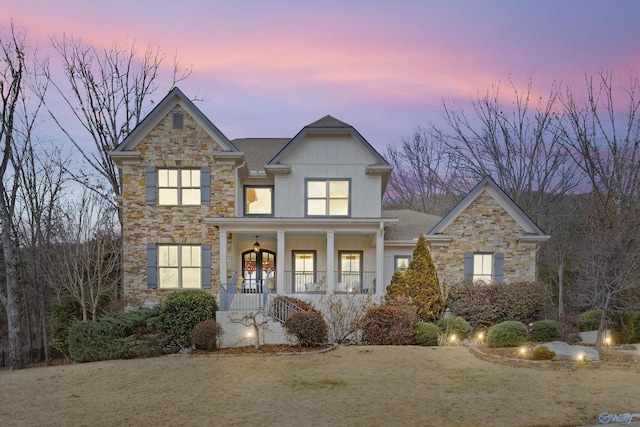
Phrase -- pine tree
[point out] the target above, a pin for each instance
(421, 283)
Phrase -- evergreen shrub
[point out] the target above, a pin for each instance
(589, 320)
(622, 330)
(63, 314)
(507, 334)
(542, 353)
(205, 335)
(545, 330)
(308, 327)
(455, 325)
(426, 334)
(181, 311)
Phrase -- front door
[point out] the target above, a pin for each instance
(258, 270)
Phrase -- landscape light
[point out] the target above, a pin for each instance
(480, 336)
(523, 350)
(607, 340)
(249, 333)
(453, 338)
(580, 357)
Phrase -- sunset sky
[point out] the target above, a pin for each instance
(267, 68)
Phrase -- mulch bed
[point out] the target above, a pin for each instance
(606, 355)
(267, 349)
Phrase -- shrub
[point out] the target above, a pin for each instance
(542, 353)
(569, 330)
(483, 305)
(622, 330)
(545, 330)
(281, 306)
(589, 320)
(426, 334)
(205, 335)
(455, 325)
(63, 314)
(117, 336)
(308, 327)
(182, 310)
(507, 334)
(389, 325)
(420, 283)
(636, 327)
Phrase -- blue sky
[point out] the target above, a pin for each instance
(267, 68)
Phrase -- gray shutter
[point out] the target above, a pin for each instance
(152, 266)
(468, 265)
(151, 184)
(206, 266)
(498, 266)
(205, 185)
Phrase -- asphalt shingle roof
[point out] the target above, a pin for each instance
(328, 122)
(410, 224)
(259, 151)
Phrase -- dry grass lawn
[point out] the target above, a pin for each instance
(355, 386)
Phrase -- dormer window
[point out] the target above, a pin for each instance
(327, 197)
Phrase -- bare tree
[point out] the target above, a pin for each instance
(87, 262)
(519, 147)
(108, 93)
(602, 133)
(424, 174)
(12, 96)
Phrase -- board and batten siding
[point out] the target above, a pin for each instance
(332, 158)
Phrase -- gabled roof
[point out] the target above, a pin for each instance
(532, 231)
(173, 98)
(411, 224)
(329, 124)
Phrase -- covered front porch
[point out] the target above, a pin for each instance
(300, 258)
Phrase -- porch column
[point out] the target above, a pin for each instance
(380, 285)
(222, 263)
(331, 277)
(280, 275)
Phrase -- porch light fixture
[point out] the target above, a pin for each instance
(256, 246)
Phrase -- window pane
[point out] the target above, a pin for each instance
(168, 277)
(168, 196)
(339, 189)
(190, 178)
(163, 178)
(316, 189)
(402, 263)
(190, 278)
(173, 178)
(338, 207)
(258, 200)
(168, 256)
(317, 207)
(191, 196)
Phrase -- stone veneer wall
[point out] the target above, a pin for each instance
(485, 227)
(190, 147)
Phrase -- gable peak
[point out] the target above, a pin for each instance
(328, 122)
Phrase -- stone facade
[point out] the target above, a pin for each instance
(166, 147)
(485, 227)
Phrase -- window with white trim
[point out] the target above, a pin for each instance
(179, 187)
(179, 266)
(482, 267)
(401, 262)
(258, 200)
(327, 197)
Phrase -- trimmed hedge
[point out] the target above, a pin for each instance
(542, 353)
(545, 330)
(389, 325)
(455, 325)
(308, 327)
(426, 334)
(507, 334)
(117, 336)
(205, 335)
(181, 311)
(484, 305)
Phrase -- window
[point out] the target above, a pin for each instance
(178, 120)
(179, 187)
(304, 271)
(179, 266)
(401, 262)
(327, 197)
(487, 267)
(482, 267)
(350, 274)
(258, 200)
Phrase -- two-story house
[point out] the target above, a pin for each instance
(292, 216)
